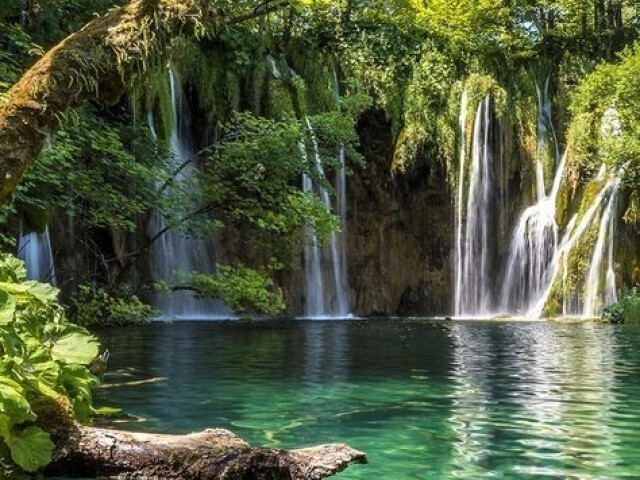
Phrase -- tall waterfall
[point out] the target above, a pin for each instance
(594, 290)
(539, 251)
(573, 234)
(536, 236)
(174, 251)
(34, 249)
(473, 255)
(325, 281)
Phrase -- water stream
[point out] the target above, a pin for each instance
(34, 249)
(325, 282)
(174, 251)
(474, 256)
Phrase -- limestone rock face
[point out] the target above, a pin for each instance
(399, 230)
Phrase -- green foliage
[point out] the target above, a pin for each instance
(248, 175)
(93, 305)
(625, 310)
(243, 289)
(90, 171)
(605, 126)
(43, 362)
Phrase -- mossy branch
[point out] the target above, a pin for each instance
(96, 63)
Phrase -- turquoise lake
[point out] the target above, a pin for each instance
(424, 399)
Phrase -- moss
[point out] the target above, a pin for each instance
(54, 415)
(316, 69)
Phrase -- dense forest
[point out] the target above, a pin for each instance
(211, 158)
(251, 85)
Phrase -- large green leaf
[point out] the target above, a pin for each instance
(41, 291)
(14, 405)
(12, 269)
(7, 308)
(32, 448)
(74, 345)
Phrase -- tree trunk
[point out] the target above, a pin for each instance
(211, 454)
(94, 63)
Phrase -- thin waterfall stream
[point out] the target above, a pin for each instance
(326, 292)
(473, 295)
(34, 248)
(175, 252)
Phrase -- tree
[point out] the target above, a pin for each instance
(96, 64)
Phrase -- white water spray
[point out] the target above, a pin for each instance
(473, 286)
(34, 249)
(173, 251)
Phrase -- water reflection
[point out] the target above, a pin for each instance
(533, 400)
(325, 352)
(423, 399)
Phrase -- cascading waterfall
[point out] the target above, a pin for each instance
(174, 251)
(536, 236)
(473, 285)
(34, 249)
(326, 286)
(570, 238)
(604, 242)
(538, 251)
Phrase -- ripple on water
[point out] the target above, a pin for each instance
(424, 399)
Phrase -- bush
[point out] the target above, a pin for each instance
(94, 306)
(45, 383)
(243, 289)
(625, 310)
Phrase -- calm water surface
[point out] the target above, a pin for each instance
(424, 399)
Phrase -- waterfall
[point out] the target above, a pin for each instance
(610, 292)
(325, 268)
(533, 246)
(325, 282)
(605, 237)
(459, 213)
(565, 247)
(473, 284)
(174, 251)
(342, 285)
(34, 249)
(538, 253)
(535, 239)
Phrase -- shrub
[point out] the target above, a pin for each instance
(45, 383)
(625, 310)
(94, 306)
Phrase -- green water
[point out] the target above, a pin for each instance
(424, 399)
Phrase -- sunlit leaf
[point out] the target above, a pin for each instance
(31, 448)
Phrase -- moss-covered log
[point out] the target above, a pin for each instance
(95, 63)
(211, 454)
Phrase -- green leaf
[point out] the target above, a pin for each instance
(7, 308)
(12, 269)
(41, 291)
(31, 449)
(75, 345)
(13, 404)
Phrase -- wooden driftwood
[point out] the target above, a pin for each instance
(210, 454)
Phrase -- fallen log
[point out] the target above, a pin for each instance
(210, 454)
